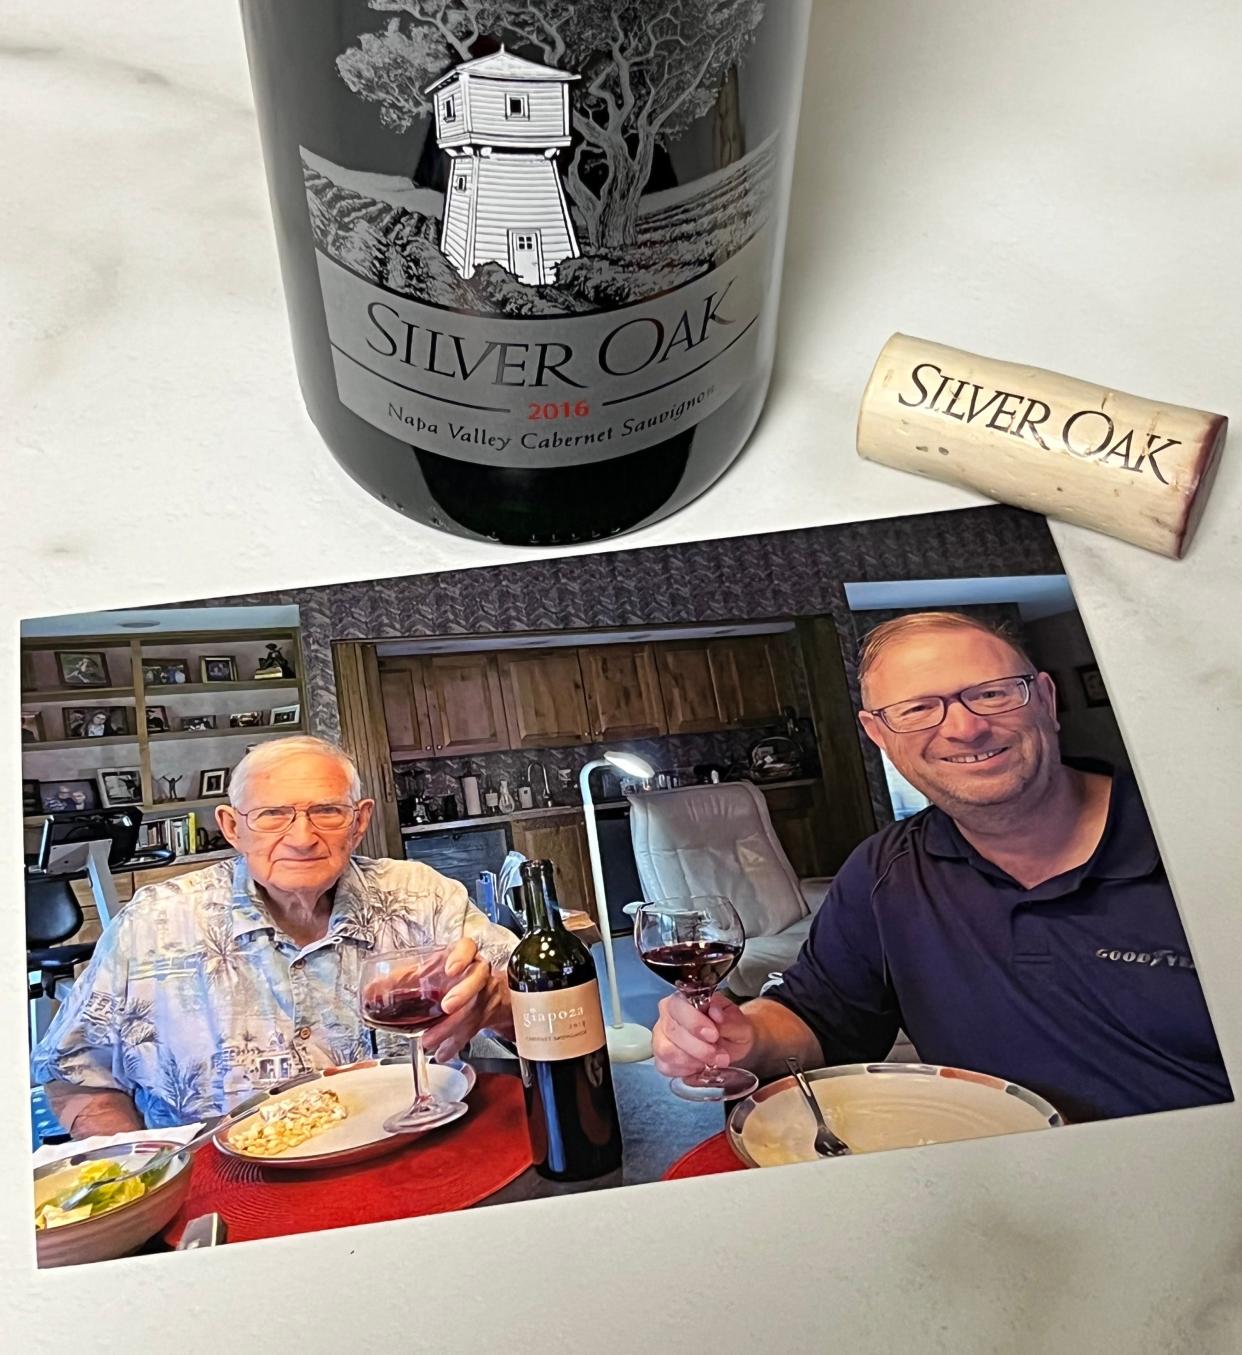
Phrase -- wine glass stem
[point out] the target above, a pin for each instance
(419, 1061)
(700, 1000)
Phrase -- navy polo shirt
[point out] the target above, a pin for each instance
(1082, 989)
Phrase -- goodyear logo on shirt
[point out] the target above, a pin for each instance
(1151, 959)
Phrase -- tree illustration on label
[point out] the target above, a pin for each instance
(550, 116)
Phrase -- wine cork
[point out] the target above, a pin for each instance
(1134, 468)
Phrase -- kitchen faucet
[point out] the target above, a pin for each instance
(544, 800)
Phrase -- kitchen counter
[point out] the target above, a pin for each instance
(559, 811)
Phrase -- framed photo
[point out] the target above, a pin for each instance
(56, 797)
(1092, 684)
(165, 672)
(31, 804)
(96, 722)
(119, 786)
(212, 783)
(192, 722)
(32, 726)
(286, 715)
(157, 720)
(246, 719)
(83, 667)
(218, 668)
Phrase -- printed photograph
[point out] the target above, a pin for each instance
(165, 672)
(579, 864)
(218, 668)
(79, 669)
(96, 722)
(190, 723)
(157, 720)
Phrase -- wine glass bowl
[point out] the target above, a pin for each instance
(694, 944)
(402, 992)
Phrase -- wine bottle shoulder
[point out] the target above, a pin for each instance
(542, 954)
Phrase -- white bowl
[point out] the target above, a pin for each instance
(121, 1230)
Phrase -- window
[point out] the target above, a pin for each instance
(526, 242)
(517, 106)
(461, 183)
(450, 112)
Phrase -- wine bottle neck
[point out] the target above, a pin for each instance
(542, 909)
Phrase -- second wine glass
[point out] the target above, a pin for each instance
(694, 943)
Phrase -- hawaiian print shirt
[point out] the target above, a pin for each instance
(194, 999)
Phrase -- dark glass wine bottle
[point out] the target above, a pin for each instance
(531, 251)
(571, 1112)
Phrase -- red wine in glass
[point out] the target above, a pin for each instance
(694, 943)
(403, 991)
(693, 965)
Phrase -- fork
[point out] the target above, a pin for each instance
(826, 1142)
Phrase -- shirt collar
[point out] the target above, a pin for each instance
(345, 921)
(1127, 848)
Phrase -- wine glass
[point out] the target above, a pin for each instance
(400, 991)
(694, 943)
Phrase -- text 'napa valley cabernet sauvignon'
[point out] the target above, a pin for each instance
(531, 251)
(571, 1112)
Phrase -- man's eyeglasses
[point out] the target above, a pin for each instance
(984, 698)
(280, 818)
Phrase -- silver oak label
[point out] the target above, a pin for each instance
(544, 391)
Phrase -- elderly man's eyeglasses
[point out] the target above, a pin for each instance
(984, 698)
(280, 818)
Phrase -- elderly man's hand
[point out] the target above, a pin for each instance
(480, 997)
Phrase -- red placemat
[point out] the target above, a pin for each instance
(442, 1170)
(708, 1158)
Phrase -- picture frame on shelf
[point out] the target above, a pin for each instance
(165, 672)
(1093, 689)
(32, 727)
(212, 783)
(246, 719)
(119, 786)
(191, 723)
(157, 720)
(83, 668)
(217, 668)
(31, 804)
(285, 715)
(96, 722)
(57, 797)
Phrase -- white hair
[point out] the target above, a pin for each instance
(266, 755)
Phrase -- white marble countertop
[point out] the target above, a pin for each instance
(1059, 184)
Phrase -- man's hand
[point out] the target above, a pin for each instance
(479, 998)
(685, 1039)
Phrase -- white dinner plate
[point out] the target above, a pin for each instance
(878, 1106)
(370, 1094)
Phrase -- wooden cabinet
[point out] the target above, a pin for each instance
(545, 706)
(405, 706)
(464, 704)
(797, 814)
(745, 679)
(622, 692)
(561, 840)
(688, 687)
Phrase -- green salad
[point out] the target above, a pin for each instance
(50, 1214)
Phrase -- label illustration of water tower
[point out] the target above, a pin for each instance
(532, 292)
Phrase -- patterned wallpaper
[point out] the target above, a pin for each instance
(777, 574)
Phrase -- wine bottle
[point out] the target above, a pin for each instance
(571, 1112)
(531, 251)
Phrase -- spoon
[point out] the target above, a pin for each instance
(826, 1142)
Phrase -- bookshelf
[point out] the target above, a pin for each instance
(114, 681)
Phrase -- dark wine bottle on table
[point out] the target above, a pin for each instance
(571, 1112)
(531, 251)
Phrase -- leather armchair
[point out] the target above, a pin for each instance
(719, 839)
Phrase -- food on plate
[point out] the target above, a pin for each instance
(287, 1122)
(49, 1214)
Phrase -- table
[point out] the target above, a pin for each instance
(656, 1126)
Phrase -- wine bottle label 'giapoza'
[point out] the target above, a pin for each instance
(549, 305)
(562, 1023)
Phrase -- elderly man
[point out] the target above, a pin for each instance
(1022, 925)
(245, 973)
